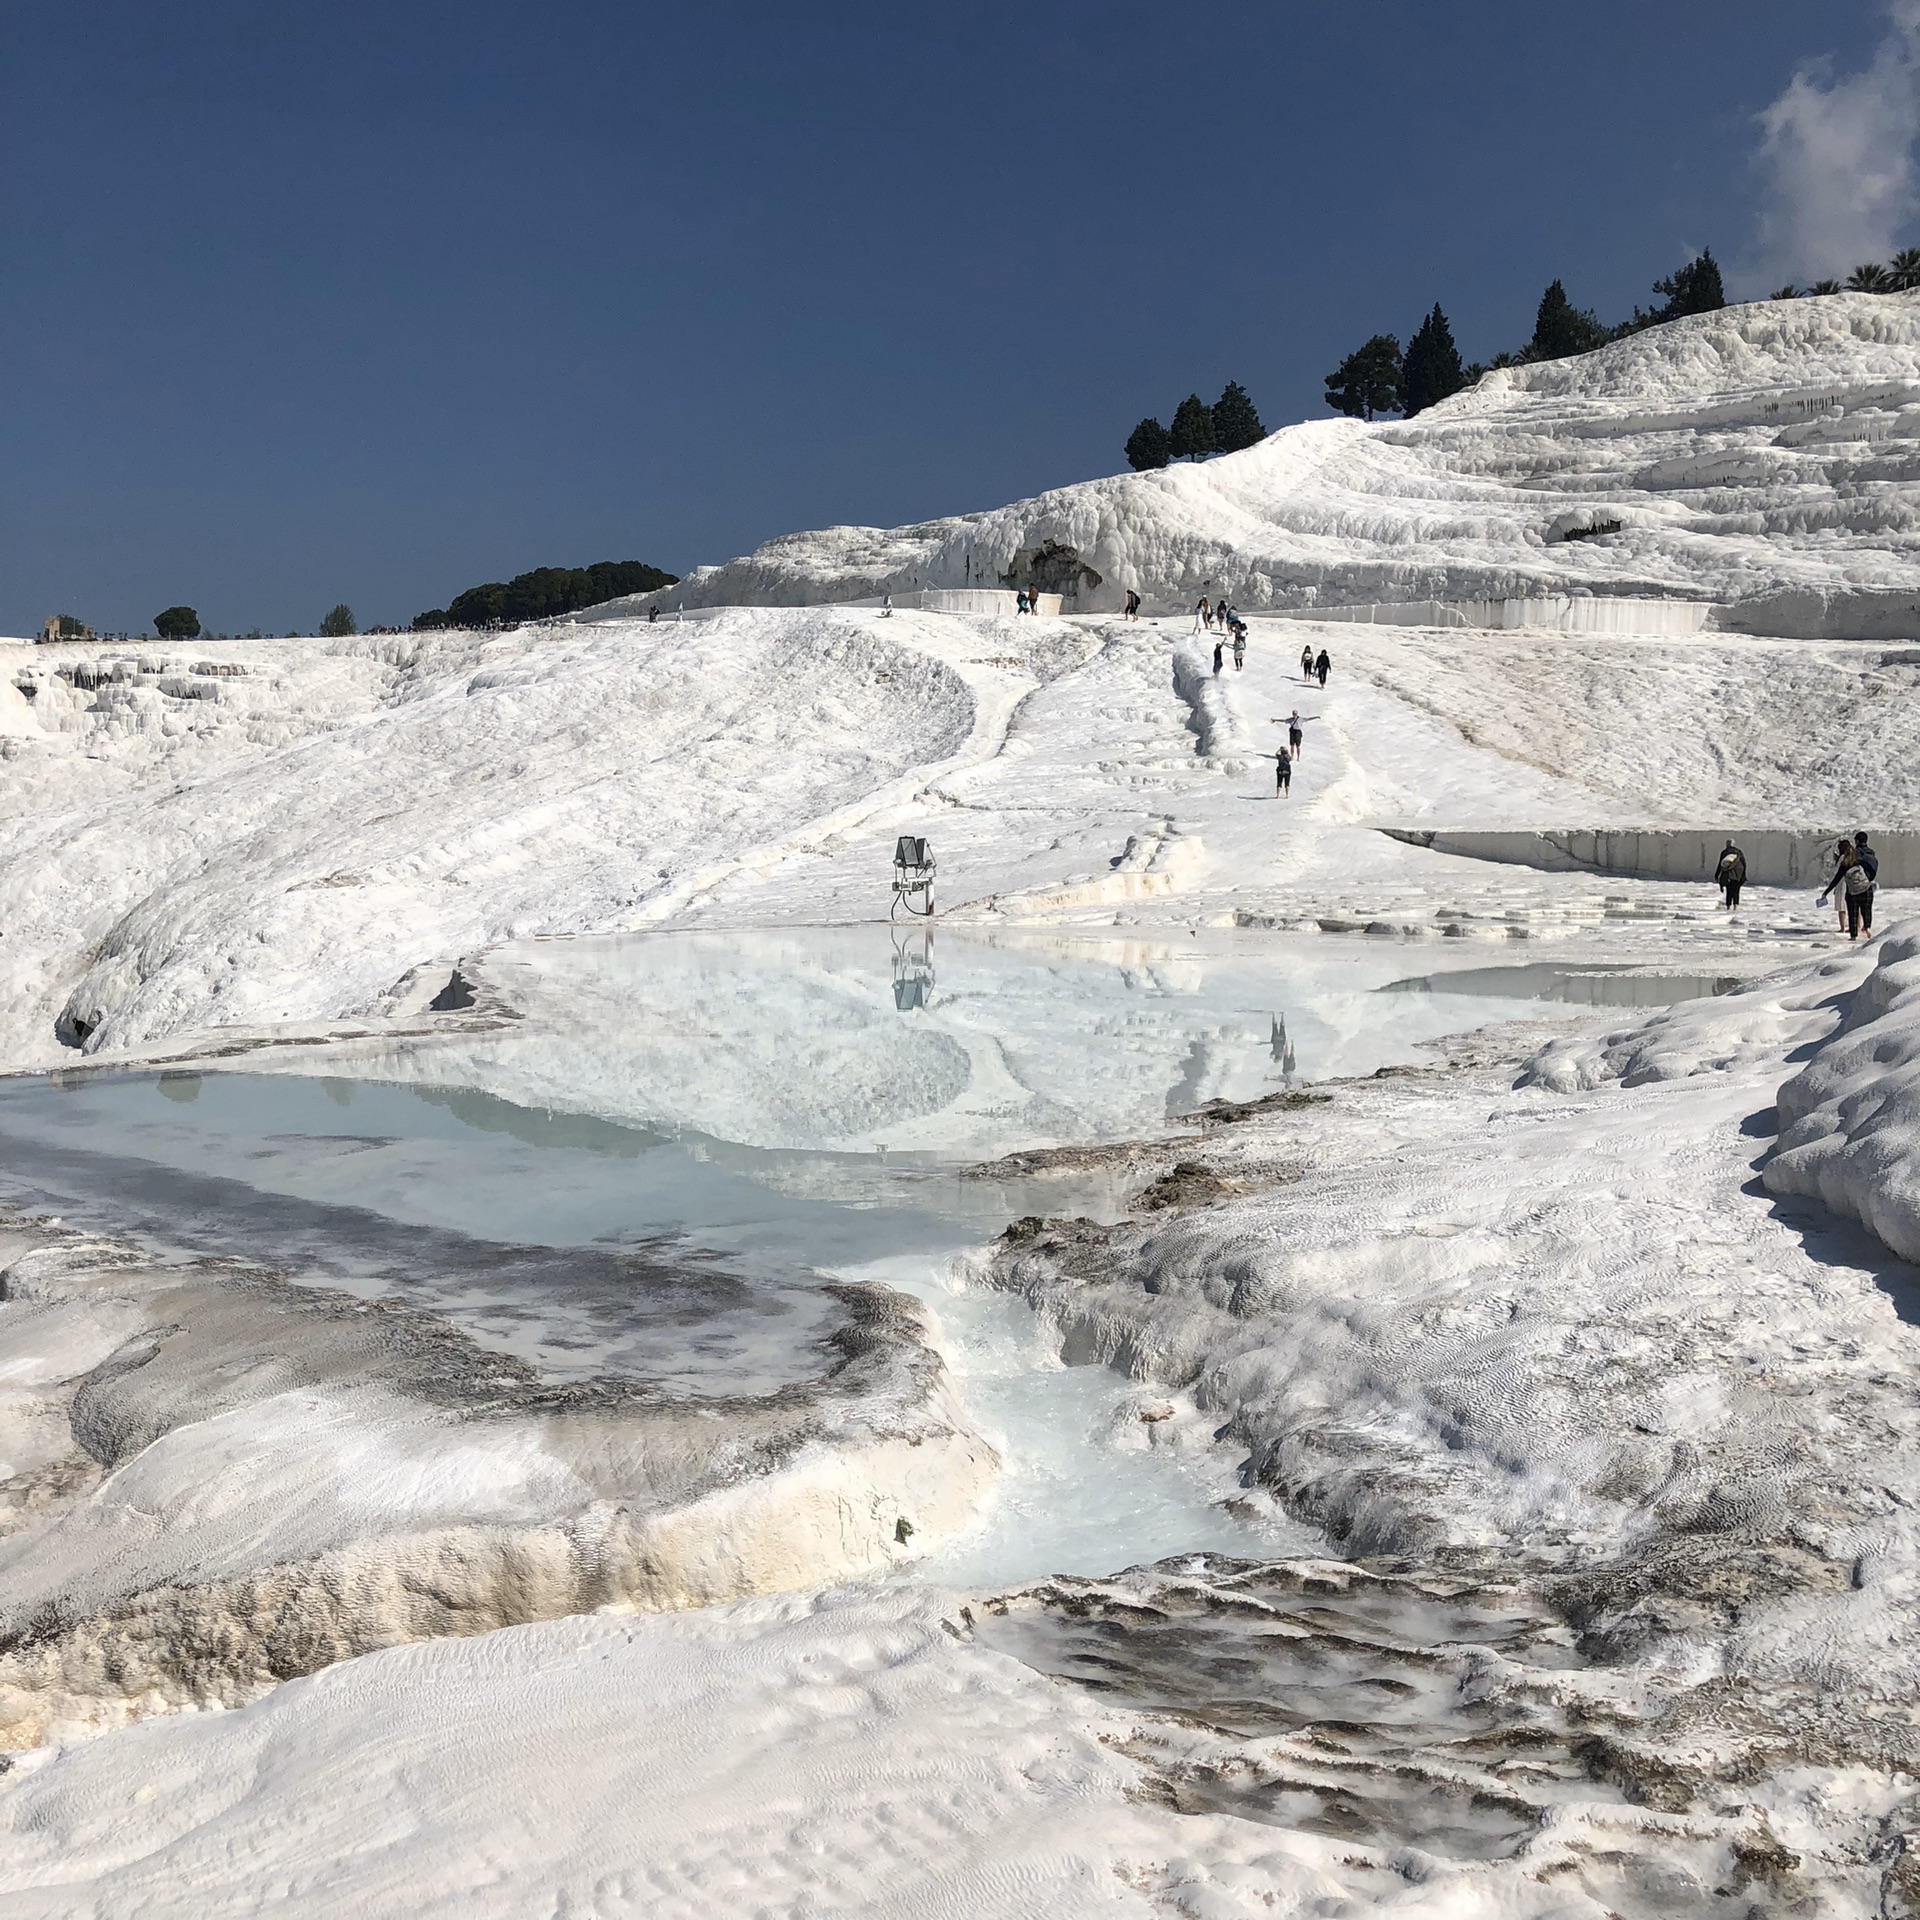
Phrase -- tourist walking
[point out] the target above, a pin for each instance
(1020, 601)
(1219, 647)
(1856, 881)
(1202, 615)
(1295, 737)
(1842, 860)
(1133, 605)
(1239, 646)
(1322, 667)
(1306, 661)
(1282, 772)
(1730, 875)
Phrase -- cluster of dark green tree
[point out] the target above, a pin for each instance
(1198, 430)
(544, 592)
(1379, 378)
(1901, 274)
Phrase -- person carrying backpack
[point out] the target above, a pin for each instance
(1133, 605)
(1854, 880)
(1282, 772)
(1730, 875)
(1239, 644)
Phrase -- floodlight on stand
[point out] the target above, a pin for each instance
(913, 870)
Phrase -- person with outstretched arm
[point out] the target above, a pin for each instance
(1857, 880)
(1842, 860)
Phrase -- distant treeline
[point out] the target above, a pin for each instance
(544, 592)
(1901, 274)
(1378, 378)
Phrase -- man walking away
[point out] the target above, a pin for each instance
(1219, 647)
(1282, 773)
(1862, 877)
(1322, 667)
(1306, 661)
(1730, 875)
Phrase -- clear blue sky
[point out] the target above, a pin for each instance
(305, 302)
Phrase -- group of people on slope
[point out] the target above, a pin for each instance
(1855, 876)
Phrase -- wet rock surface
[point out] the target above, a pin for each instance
(224, 1480)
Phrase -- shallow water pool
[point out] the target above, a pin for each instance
(655, 1168)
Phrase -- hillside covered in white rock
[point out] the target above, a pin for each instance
(485, 1273)
(1764, 454)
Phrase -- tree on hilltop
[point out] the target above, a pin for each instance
(1561, 329)
(177, 623)
(339, 623)
(1870, 278)
(1694, 288)
(1431, 368)
(1148, 446)
(1367, 381)
(1825, 286)
(1235, 423)
(1904, 268)
(1192, 435)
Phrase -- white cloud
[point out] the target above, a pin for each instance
(1838, 155)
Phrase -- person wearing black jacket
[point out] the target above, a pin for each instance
(1731, 874)
(1856, 880)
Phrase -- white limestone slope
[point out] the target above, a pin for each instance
(1766, 452)
(293, 837)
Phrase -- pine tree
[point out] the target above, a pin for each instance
(1192, 435)
(1148, 446)
(339, 623)
(1560, 328)
(1432, 368)
(1695, 288)
(1367, 381)
(1235, 423)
